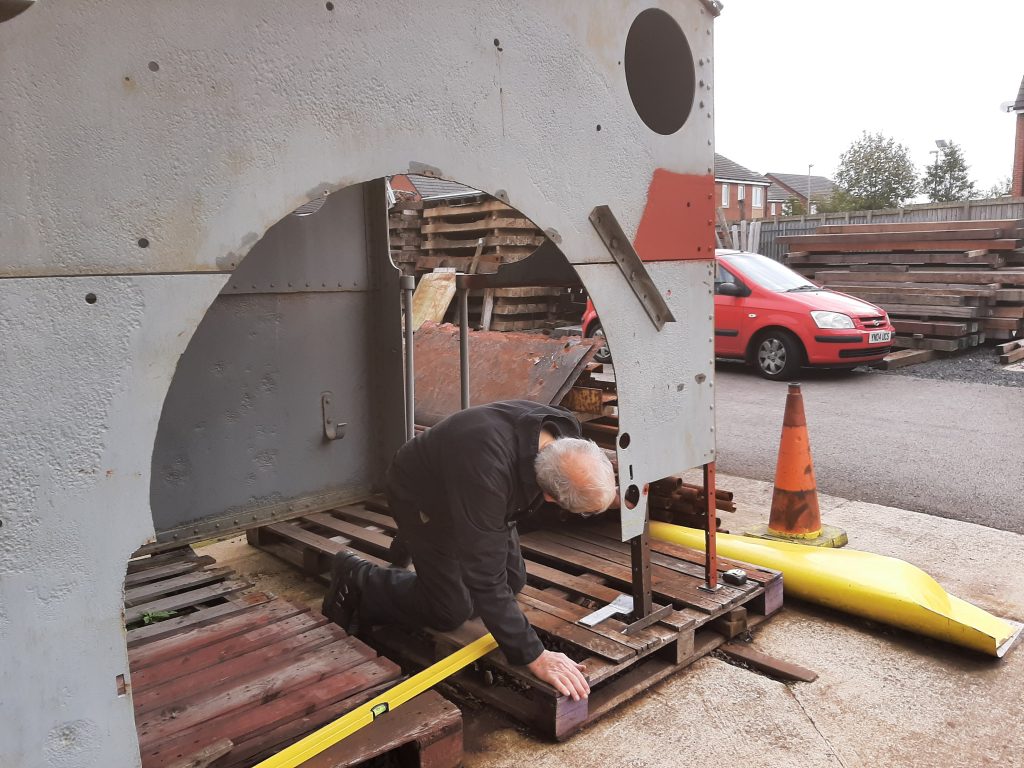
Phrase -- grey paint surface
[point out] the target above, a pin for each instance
(945, 448)
(82, 384)
(197, 127)
(242, 427)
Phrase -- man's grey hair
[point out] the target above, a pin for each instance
(576, 474)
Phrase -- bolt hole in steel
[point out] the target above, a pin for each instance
(143, 242)
(632, 497)
(90, 298)
(154, 67)
(330, 6)
(771, 355)
(624, 440)
(659, 71)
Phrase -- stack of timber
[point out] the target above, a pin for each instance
(947, 286)
(405, 220)
(220, 678)
(594, 401)
(572, 570)
(478, 233)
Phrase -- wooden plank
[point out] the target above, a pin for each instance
(1002, 323)
(185, 600)
(1005, 226)
(544, 619)
(965, 259)
(427, 721)
(923, 310)
(181, 554)
(446, 244)
(377, 542)
(947, 289)
(151, 633)
(266, 707)
(1009, 346)
(777, 668)
(929, 299)
(191, 639)
(944, 345)
(934, 328)
(1012, 356)
(988, 277)
(431, 298)
(361, 514)
(667, 584)
(147, 593)
(193, 657)
(272, 740)
(206, 756)
(905, 357)
(249, 666)
(1001, 311)
(643, 641)
(481, 225)
(488, 206)
(305, 670)
(166, 571)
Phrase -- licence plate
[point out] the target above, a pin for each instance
(879, 337)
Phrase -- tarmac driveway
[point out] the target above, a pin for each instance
(945, 448)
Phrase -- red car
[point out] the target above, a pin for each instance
(778, 321)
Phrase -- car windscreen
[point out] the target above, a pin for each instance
(769, 274)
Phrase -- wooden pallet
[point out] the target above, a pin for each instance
(572, 570)
(235, 678)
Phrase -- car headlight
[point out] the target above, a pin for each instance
(832, 320)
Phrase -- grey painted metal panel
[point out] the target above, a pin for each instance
(241, 437)
(324, 251)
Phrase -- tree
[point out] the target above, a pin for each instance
(875, 172)
(946, 180)
(1000, 188)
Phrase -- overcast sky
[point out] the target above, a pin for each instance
(797, 80)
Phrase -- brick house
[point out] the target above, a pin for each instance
(1017, 182)
(796, 186)
(740, 192)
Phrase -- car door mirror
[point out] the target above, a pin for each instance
(729, 289)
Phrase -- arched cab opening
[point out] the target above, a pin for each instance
(289, 396)
(289, 403)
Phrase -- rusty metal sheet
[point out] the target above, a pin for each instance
(503, 366)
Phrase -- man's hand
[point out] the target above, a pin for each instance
(563, 673)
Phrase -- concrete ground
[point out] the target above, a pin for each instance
(946, 448)
(883, 698)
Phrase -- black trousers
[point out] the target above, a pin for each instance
(434, 596)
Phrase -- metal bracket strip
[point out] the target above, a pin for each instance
(639, 279)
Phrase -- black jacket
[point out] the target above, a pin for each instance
(472, 474)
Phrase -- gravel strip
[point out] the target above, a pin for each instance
(976, 366)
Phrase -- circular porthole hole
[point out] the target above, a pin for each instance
(143, 242)
(659, 71)
(330, 6)
(624, 440)
(90, 298)
(632, 497)
(11, 8)
(154, 67)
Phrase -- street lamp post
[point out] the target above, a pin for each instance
(809, 166)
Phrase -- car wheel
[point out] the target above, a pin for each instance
(777, 355)
(603, 354)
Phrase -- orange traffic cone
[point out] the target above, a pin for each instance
(795, 516)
